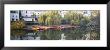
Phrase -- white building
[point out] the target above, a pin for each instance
(14, 14)
(87, 13)
(27, 14)
(62, 13)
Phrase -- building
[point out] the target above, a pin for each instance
(14, 14)
(62, 12)
(87, 13)
(30, 15)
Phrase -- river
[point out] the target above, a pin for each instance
(65, 34)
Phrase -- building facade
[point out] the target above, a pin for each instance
(30, 15)
(26, 15)
(14, 14)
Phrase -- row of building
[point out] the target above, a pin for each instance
(24, 14)
(27, 14)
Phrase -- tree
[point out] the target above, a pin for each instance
(17, 25)
(73, 17)
(50, 17)
(33, 16)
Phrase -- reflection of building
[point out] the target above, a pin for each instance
(28, 36)
(14, 15)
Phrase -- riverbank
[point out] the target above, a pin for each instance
(55, 27)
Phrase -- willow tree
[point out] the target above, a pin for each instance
(73, 17)
(48, 21)
(50, 17)
(41, 19)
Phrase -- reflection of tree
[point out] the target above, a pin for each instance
(17, 33)
(74, 34)
(50, 35)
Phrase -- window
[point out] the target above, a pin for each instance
(26, 15)
(23, 19)
(12, 11)
(26, 11)
(16, 19)
(12, 19)
(13, 15)
(85, 12)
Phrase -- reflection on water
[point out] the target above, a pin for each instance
(66, 34)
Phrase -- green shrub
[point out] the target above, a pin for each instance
(17, 25)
